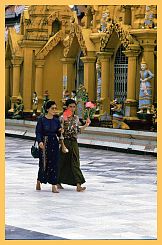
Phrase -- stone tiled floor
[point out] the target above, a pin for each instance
(119, 203)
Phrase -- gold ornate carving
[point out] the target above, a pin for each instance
(123, 32)
(58, 15)
(75, 30)
(53, 41)
(52, 17)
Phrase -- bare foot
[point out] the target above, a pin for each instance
(59, 186)
(54, 189)
(79, 188)
(38, 185)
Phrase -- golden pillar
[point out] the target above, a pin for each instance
(7, 84)
(27, 82)
(105, 59)
(39, 81)
(94, 19)
(90, 76)
(131, 103)
(16, 80)
(155, 78)
(68, 74)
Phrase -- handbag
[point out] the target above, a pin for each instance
(35, 150)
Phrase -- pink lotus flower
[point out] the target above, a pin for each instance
(90, 105)
(67, 113)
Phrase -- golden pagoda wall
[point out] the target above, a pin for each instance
(37, 36)
(53, 75)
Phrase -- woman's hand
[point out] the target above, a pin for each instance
(61, 130)
(41, 145)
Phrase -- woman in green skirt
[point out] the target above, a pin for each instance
(69, 166)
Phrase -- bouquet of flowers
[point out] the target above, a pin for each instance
(90, 110)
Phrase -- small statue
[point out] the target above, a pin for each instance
(118, 113)
(35, 103)
(66, 96)
(46, 98)
(18, 108)
(148, 22)
(73, 95)
(104, 20)
(145, 94)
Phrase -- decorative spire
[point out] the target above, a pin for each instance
(143, 61)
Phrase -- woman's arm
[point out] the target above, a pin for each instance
(39, 133)
(61, 137)
(82, 128)
(59, 128)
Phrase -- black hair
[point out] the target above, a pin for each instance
(70, 101)
(49, 104)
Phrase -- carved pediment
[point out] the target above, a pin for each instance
(75, 30)
(53, 41)
(53, 17)
(123, 33)
(59, 15)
